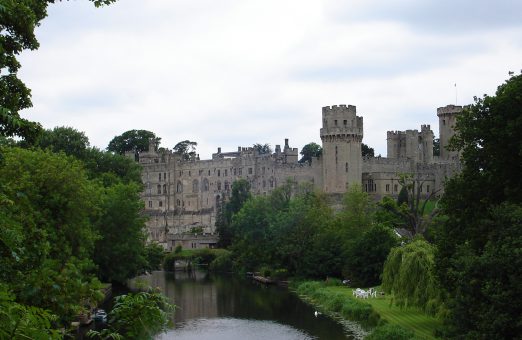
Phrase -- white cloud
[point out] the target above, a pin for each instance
(238, 72)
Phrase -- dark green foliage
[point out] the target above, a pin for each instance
(140, 315)
(186, 149)
(478, 262)
(222, 263)
(366, 255)
(133, 140)
(262, 148)
(403, 196)
(391, 332)
(154, 255)
(366, 151)
(66, 139)
(310, 150)
(240, 194)
(120, 253)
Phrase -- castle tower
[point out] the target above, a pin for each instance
(341, 134)
(447, 119)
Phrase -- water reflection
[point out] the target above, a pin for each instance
(225, 307)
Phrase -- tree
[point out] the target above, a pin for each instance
(412, 208)
(366, 151)
(65, 139)
(478, 260)
(409, 275)
(186, 149)
(240, 194)
(262, 148)
(366, 255)
(18, 20)
(310, 150)
(133, 140)
(120, 253)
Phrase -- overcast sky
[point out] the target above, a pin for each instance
(238, 72)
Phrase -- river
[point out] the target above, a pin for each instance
(223, 307)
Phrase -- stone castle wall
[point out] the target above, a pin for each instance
(180, 195)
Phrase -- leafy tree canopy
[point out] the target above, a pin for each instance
(66, 139)
(186, 149)
(18, 20)
(366, 151)
(310, 150)
(479, 245)
(132, 140)
(262, 148)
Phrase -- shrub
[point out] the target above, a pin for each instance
(222, 262)
(391, 332)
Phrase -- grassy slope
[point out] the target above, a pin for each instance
(422, 324)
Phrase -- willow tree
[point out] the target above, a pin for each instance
(409, 275)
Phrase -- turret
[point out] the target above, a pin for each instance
(341, 134)
(447, 119)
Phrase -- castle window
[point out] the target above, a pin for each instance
(219, 186)
(150, 204)
(205, 184)
(195, 185)
(345, 122)
(395, 188)
(164, 188)
(346, 167)
(371, 186)
(219, 173)
(159, 189)
(178, 203)
(226, 172)
(250, 171)
(387, 188)
(180, 173)
(444, 122)
(164, 176)
(227, 186)
(240, 171)
(235, 171)
(200, 172)
(335, 122)
(190, 173)
(179, 187)
(160, 204)
(427, 188)
(159, 177)
(209, 172)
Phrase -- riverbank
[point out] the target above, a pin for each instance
(377, 313)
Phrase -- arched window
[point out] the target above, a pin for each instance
(219, 186)
(159, 189)
(195, 185)
(227, 186)
(179, 187)
(205, 185)
(164, 188)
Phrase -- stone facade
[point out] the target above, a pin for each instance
(182, 197)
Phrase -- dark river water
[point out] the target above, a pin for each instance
(223, 307)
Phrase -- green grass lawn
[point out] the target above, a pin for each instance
(423, 325)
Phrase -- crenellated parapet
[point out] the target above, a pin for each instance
(342, 121)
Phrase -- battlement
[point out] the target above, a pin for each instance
(339, 109)
(449, 109)
(425, 128)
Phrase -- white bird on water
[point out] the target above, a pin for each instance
(317, 313)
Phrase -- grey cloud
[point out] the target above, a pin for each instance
(459, 16)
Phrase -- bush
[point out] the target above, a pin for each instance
(222, 262)
(178, 249)
(391, 332)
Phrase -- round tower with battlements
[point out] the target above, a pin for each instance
(447, 119)
(341, 134)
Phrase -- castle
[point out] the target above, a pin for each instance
(182, 197)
